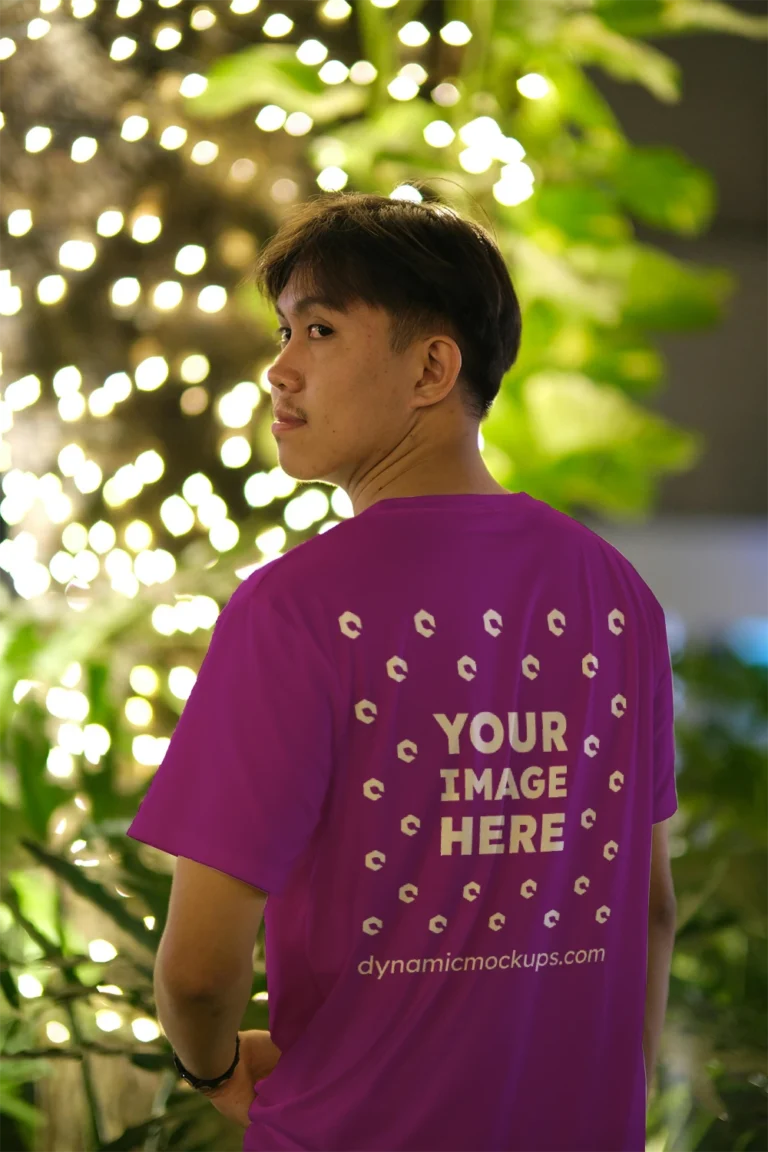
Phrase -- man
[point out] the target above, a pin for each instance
(438, 737)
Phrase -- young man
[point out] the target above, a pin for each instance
(439, 736)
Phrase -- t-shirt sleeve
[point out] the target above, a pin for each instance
(243, 782)
(664, 786)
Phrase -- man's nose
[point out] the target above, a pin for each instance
(280, 371)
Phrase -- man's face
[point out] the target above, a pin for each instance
(336, 371)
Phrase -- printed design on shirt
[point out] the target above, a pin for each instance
(523, 827)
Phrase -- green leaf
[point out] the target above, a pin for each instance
(589, 41)
(20, 1110)
(568, 412)
(8, 983)
(582, 212)
(540, 275)
(395, 133)
(93, 892)
(670, 296)
(581, 99)
(633, 17)
(711, 16)
(661, 187)
(271, 74)
(672, 17)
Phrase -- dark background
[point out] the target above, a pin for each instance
(717, 380)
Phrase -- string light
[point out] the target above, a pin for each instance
(204, 152)
(19, 221)
(127, 8)
(193, 85)
(406, 192)
(335, 10)
(475, 160)
(271, 118)
(277, 25)
(311, 52)
(168, 294)
(134, 127)
(37, 138)
(298, 124)
(243, 7)
(10, 297)
(151, 373)
(146, 228)
(212, 298)
(445, 94)
(202, 18)
(383, 3)
(77, 254)
(362, 72)
(51, 289)
(109, 222)
(194, 368)
(332, 179)
(83, 149)
(533, 86)
(516, 183)
(168, 3)
(403, 88)
(125, 291)
(243, 170)
(439, 134)
(414, 34)
(190, 259)
(414, 72)
(456, 33)
(38, 28)
(49, 5)
(7, 47)
(83, 8)
(334, 72)
(167, 37)
(122, 48)
(173, 137)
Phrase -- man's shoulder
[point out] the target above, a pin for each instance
(288, 578)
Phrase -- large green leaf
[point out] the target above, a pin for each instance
(540, 275)
(712, 16)
(661, 187)
(271, 74)
(589, 41)
(675, 17)
(669, 295)
(583, 212)
(569, 413)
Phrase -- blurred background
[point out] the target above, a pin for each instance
(617, 151)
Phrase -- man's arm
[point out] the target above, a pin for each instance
(661, 943)
(662, 912)
(203, 1029)
(204, 965)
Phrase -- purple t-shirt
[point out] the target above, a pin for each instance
(438, 735)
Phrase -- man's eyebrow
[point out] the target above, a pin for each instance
(305, 304)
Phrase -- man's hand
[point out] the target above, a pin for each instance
(258, 1056)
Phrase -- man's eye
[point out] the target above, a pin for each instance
(284, 333)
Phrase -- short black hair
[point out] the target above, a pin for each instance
(421, 262)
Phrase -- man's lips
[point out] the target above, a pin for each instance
(285, 425)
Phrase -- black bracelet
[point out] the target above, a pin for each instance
(196, 1082)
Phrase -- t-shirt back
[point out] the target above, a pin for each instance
(438, 735)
